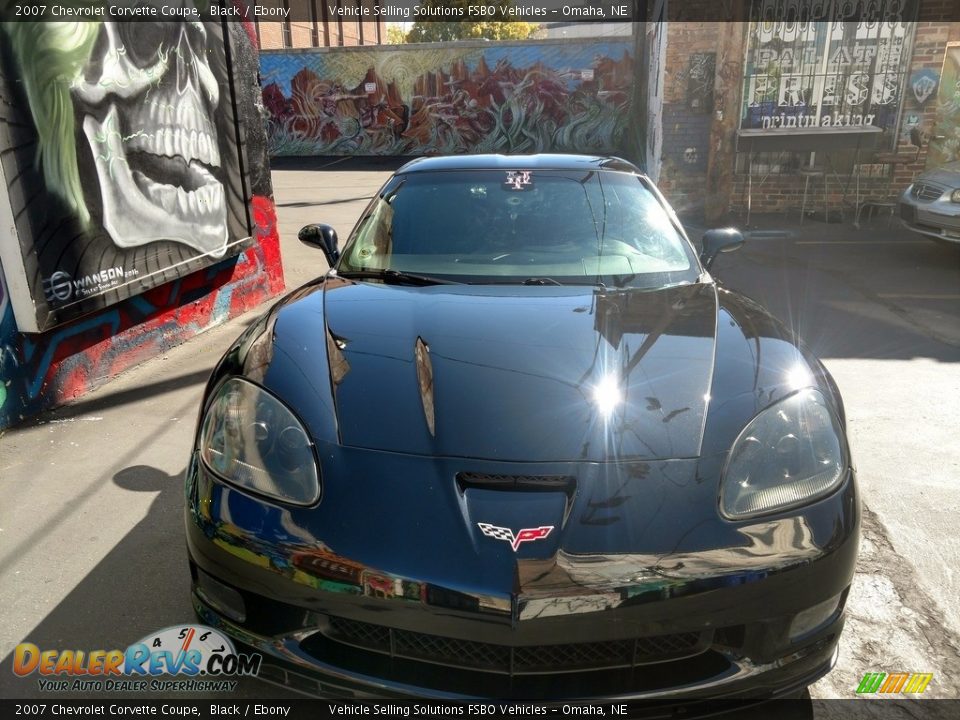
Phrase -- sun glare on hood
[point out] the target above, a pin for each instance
(607, 394)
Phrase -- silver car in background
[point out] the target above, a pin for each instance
(931, 204)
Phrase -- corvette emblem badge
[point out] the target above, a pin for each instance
(525, 535)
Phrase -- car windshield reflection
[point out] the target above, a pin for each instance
(523, 227)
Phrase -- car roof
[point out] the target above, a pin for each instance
(545, 161)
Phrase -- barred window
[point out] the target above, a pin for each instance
(826, 63)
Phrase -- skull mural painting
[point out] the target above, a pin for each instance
(155, 147)
(127, 157)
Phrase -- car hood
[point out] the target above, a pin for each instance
(948, 175)
(521, 373)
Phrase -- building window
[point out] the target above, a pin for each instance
(828, 64)
(286, 30)
(314, 24)
(339, 25)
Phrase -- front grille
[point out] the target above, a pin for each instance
(519, 660)
(450, 651)
(927, 192)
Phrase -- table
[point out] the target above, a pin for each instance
(815, 139)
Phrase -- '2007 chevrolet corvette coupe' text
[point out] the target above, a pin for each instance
(518, 443)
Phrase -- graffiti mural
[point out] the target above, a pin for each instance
(700, 79)
(40, 371)
(924, 83)
(122, 165)
(945, 140)
(469, 98)
(229, 263)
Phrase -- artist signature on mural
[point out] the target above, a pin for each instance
(61, 286)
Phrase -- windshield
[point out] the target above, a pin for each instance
(497, 226)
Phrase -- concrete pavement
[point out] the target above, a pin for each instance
(91, 539)
(881, 308)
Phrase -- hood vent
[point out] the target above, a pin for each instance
(537, 483)
(425, 380)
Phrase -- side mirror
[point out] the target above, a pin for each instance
(323, 237)
(719, 241)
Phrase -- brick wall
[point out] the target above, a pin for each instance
(684, 176)
(879, 182)
(686, 130)
(684, 160)
(327, 31)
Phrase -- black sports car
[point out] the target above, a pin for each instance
(518, 443)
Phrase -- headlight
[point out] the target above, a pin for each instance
(788, 455)
(251, 439)
(955, 196)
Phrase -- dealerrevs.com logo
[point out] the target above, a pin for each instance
(203, 655)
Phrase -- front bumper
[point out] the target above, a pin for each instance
(939, 219)
(289, 662)
(685, 624)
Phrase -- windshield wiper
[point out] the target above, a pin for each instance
(397, 277)
(540, 281)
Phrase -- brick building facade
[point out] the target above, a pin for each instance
(310, 24)
(704, 104)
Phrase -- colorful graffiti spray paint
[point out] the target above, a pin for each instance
(40, 371)
(427, 100)
(219, 253)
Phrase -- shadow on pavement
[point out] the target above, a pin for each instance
(120, 397)
(104, 399)
(141, 586)
(879, 292)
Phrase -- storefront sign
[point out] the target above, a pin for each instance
(843, 66)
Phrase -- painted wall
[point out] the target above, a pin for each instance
(704, 177)
(944, 92)
(80, 349)
(470, 97)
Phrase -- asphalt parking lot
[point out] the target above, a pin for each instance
(882, 310)
(91, 540)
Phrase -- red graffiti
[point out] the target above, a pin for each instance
(80, 356)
